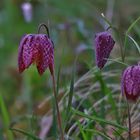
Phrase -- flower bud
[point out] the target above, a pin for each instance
(104, 43)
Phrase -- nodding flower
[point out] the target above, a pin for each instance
(38, 49)
(104, 44)
(130, 82)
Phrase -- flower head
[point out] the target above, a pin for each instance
(36, 48)
(130, 83)
(104, 43)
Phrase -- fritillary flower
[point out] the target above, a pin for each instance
(38, 49)
(130, 83)
(104, 43)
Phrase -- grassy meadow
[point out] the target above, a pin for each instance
(91, 104)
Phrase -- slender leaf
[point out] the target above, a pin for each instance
(128, 31)
(25, 133)
(118, 134)
(70, 96)
(132, 25)
(5, 117)
(107, 93)
(136, 44)
(117, 61)
(106, 20)
(70, 93)
(82, 131)
(99, 119)
(58, 78)
(99, 133)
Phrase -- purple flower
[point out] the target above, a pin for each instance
(36, 48)
(103, 45)
(130, 83)
(27, 11)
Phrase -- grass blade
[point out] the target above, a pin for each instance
(107, 21)
(99, 119)
(132, 25)
(58, 79)
(54, 125)
(136, 44)
(70, 93)
(25, 133)
(128, 31)
(99, 133)
(70, 96)
(82, 131)
(107, 92)
(117, 61)
(5, 117)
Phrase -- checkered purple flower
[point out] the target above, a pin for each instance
(36, 48)
(104, 43)
(130, 83)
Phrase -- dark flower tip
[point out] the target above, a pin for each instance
(36, 48)
(130, 83)
(104, 43)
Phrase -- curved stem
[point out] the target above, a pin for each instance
(109, 27)
(57, 107)
(43, 25)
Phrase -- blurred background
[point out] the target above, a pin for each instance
(73, 25)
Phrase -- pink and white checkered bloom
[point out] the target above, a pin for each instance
(36, 48)
(104, 44)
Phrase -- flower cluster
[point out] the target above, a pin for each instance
(130, 82)
(39, 49)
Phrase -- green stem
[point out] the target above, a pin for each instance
(57, 107)
(129, 120)
(121, 47)
(118, 34)
(139, 129)
(47, 29)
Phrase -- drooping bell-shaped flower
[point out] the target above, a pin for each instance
(130, 82)
(38, 49)
(104, 43)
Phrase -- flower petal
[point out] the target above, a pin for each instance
(28, 51)
(46, 57)
(21, 65)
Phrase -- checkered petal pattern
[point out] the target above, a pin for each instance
(104, 43)
(36, 48)
(130, 83)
